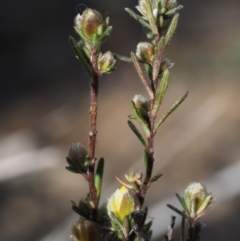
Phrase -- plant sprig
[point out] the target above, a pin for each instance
(159, 19)
(124, 216)
(93, 31)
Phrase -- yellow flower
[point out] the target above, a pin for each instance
(122, 203)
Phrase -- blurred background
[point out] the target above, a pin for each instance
(44, 108)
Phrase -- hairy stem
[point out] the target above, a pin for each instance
(92, 142)
(148, 174)
(150, 157)
(92, 138)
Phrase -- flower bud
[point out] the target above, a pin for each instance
(85, 230)
(77, 154)
(122, 203)
(196, 200)
(145, 52)
(89, 23)
(142, 105)
(106, 63)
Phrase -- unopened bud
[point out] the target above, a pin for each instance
(145, 52)
(77, 153)
(142, 104)
(196, 200)
(89, 23)
(85, 230)
(122, 203)
(106, 62)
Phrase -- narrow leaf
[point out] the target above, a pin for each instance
(137, 133)
(99, 177)
(124, 183)
(161, 90)
(141, 75)
(139, 218)
(126, 226)
(140, 119)
(177, 210)
(82, 209)
(156, 177)
(171, 28)
(147, 226)
(151, 18)
(157, 60)
(181, 200)
(72, 163)
(138, 18)
(173, 10)
(81, 56)
(102, 37)
(171, 110)
(183, 229)
(73, 203)
(116, 221)
(73, 170)
(122, 58)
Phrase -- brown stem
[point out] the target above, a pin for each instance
(148, 174)
(150, 157)
(92, 135)
(92, 143)
(194, 231)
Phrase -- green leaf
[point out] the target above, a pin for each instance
(147, 229)
(137, 133)
(171, 28)
(73, 170)
(122, 58)
(126, 226)
(138, 18)
(73, 167)
(156, 177)
(161, 90)
(182, 213)
(163, 3)
(99, 39)
(82, 209)
(173, 10)
(182, 201)
(139, 218)
(151, 18)
(99, 177)
(183, 228)
(72, 163)
(140, 119)
(81, 56)
(171, 110)
(158, 59)
(141, 75)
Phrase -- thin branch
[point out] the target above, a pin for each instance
(92, 138)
